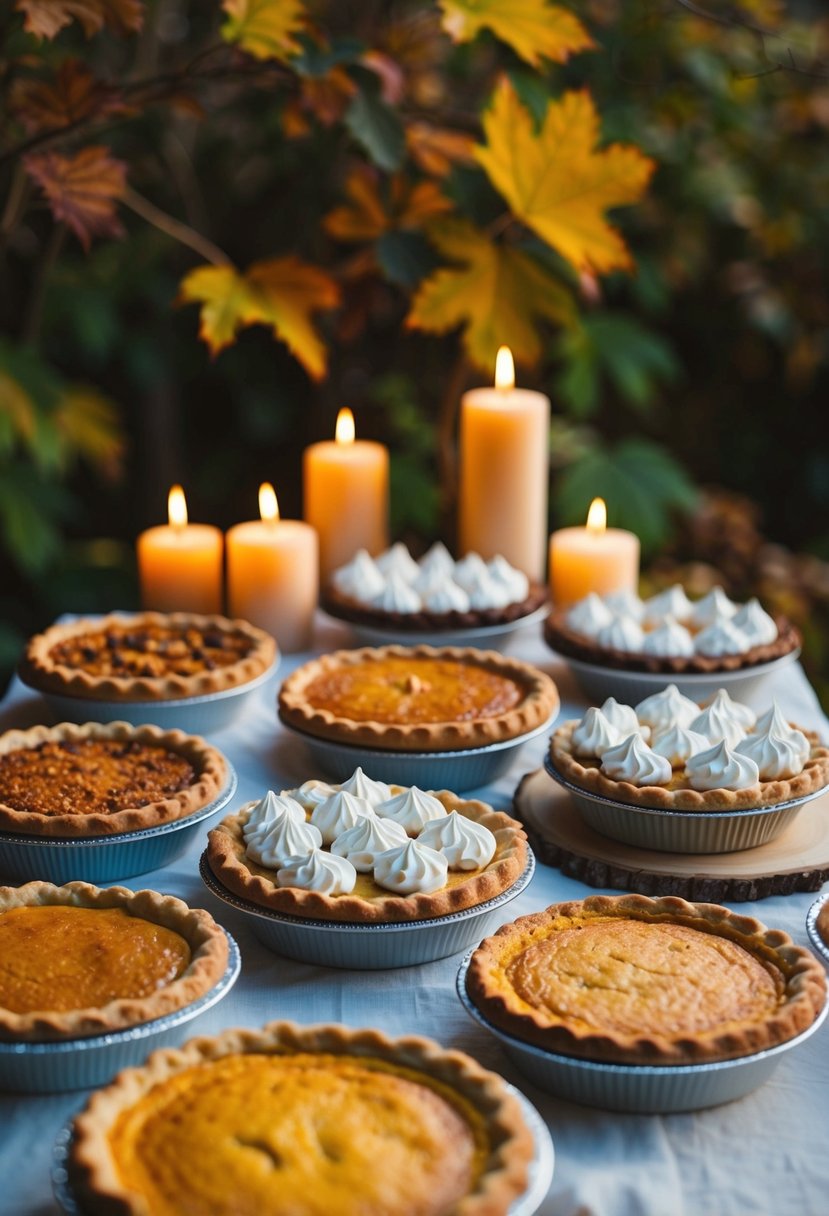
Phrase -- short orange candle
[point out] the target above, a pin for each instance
(347, 495)
(593, 558)
(273, 574)
(180, 564)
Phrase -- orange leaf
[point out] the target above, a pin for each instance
(557, 182)
(82, 189)
(436, 150)
(73, 95)
(46, 18)
(266, 29)
(365, 216)
(533, 28)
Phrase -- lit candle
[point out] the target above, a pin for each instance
(273, 574)
(347, 495)
(593, 558)
(504, 471)
(180, 564)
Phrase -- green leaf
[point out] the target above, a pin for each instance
(377, 128)
(316, 60)
(415, 499)
(615, 349)
(405, 257)
(27, 526)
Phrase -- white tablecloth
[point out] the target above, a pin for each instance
(765, 1155)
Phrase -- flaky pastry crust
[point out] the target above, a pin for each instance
(539, 702)
(231, 866)
(346, 608)
(94, 1173)
(208, 962)
(208, 762)
(798, 976)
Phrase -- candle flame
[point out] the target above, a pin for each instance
(345, 426)
(504, 369)
(177, 507)
(268, 506)
(597, 516)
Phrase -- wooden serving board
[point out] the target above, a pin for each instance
(798, 860)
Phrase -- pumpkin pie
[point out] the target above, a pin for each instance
(646, 981)
(307, 1120)
(77, 960)
(151, 656)
(101, 779)
(419, 698)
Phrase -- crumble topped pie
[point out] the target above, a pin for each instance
(646, 981)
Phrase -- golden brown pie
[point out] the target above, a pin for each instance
(77, 960)
(420, 698)
(306, 1120)
(151, 656)
(637, 980)
(100, 779)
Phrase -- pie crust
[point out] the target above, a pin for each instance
(346, 608)
(207, 763)
(396, 674)
(599, 979)
(166, 656)
(678, 796)
(822, 924)
(573, 645)
(207, 963)
(471, 1099)
(236, 871)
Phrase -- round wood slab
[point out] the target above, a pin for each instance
(798, 860)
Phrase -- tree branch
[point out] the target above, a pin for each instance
(174, 228)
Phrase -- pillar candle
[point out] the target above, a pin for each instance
(504, 471)
(346, 490)
(180, 564)
(593, 558)
(273, 574)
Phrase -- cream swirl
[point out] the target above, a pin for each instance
(623, 633)
(720, 638)
(673, 602)
(437, 561)
(717, 722)
(736, 709)
(484, 592)
(720, 768)
(412, 809)
(283, 839)
(364, 843)
(669, 640)
(594, 734)
(465, 843)
(775, 720)
(270, 809)
(362, 786)
(715, 606)
(515, 583)
(753, 620)
(625, 603)
(318, 871)
(677, 743)
(360, 578)
(397, 595)
(664, 708)
(775, 755)
(310, 793)
(410, 868)
(398, 560)
(632, 760)
(446, 597)
(588, 616)
(339, 813)
(469, 570)
(623, 717)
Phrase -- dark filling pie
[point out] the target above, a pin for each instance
(151, 650)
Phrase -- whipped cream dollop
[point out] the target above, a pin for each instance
(673, 603)
(740, 712)
(718, 722)
(776, 755)
(437, 562)
(623, 717)
(270, 809)
(310, 793)
(715, 606)
(364, 843)
(677, 743)
(720, 638)
(362, 786)
(625, 603)
(411, 868)
(753, 621)
(484, 592)
(283, 839)
(466, 844)
(446, 596)
(318, 871)
(360, 579)
(664, 708)
(669, 640)
(632, 760)
(623, 633)
(339, 813)
(775, 720)
(514, 582)
(589, 616)
(470, 570)
(721, 768)
(412, 809)
(397, 595)
(397, 561)
(595, 734)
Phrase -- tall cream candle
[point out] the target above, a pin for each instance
(504, 471)
(179, 563)
(346, 492)
(593, 558)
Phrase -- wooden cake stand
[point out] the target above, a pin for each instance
(798, 860)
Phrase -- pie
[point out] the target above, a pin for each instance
(822, 924)
(152, 656)
(101, 779)
(645, 981)
(78, 960)
(306, 1120)
(420, 698)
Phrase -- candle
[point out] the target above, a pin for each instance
(180, 564)
(593, 558)
(273, 574)
(504, 471)
(347, 495)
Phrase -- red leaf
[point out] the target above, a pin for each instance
(46, 18)
(71, 96)
(82, 189)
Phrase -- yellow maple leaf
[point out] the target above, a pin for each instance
(495, 292)
(555, 179)
(282, 293)
(365, 216)
(533, 28)
(266, 29)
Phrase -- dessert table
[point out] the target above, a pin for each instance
(763, 1154)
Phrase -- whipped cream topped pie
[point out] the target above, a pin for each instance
(366, 851)
(672, 753)
(435, 592)
(669, 632)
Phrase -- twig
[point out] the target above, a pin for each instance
(174, 228)
(34, 311)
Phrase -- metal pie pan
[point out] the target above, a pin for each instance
(820, 946)
(46, 1067)
(376, 635)
(637, 1088)
(371, 946)
(681, 831)
(468, 769)
(102, 859)
(540, 1170)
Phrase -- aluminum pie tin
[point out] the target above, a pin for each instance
(197, 715)
(491, 634)
(48, 1068)
(682, 831)
(101, 859)
(370, 947)
(637, 1088)
(539, 1173)
(468, 769)
(820, 946)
